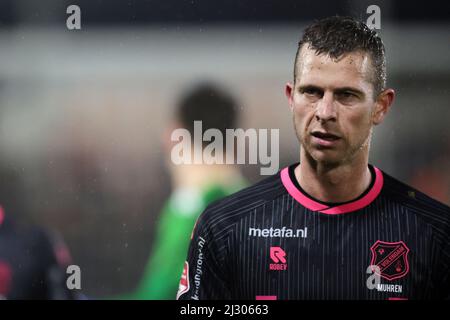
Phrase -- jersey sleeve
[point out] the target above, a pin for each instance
(160, 280)
(443, 279)
(205, 275)
(441, 251)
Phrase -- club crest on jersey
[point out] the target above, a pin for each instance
(184, 281)
(391, 259)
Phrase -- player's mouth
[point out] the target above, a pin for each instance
(323, 138)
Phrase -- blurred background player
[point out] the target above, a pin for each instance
(194, 187)
(33, 260)
(33, 263)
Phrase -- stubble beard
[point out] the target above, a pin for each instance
(347, 157)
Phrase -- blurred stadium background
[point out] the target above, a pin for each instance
(82, 113)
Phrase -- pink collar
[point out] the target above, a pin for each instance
(309, 203)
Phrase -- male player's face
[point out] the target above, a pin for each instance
(333, 105)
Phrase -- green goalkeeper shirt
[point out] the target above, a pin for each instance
(163, 271)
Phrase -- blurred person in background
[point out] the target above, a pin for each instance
(33, 260)
(432, 179)
(194, 187)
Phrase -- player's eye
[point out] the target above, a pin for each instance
(311, 93)
(346, 97)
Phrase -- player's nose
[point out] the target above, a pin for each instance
(326, 108)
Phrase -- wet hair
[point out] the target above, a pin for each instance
(336, 36)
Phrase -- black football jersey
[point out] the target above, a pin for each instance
(274, 241)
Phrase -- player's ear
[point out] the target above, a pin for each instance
(289, 91)
(382, 105)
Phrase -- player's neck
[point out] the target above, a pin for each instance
(340, 183)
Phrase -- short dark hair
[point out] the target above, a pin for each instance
(337, 35)
(206, 102)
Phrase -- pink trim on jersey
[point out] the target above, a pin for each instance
(2, 215)
(266, 297)
(344, 208)
(298, 195)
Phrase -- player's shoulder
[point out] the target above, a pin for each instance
(246, 200)
(417, 202)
